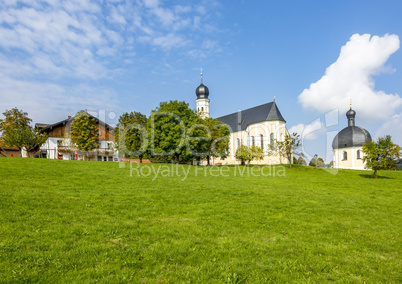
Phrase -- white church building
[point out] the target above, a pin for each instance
(257, 126)
(348, 143)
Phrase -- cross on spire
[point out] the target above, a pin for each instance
(201, 75)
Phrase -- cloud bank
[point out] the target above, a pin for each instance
(60, 56)
(352, 77)
(307, 132)
(391, 127)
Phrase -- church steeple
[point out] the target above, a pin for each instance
(351, 116)
(202, 100)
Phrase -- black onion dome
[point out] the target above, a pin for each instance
(351, 136)
(202, 92)
(351, 113)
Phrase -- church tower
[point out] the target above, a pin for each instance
(348, 144)
(202, 100)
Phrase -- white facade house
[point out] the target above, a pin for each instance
(59, 145)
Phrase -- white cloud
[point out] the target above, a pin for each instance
(307, 132)
(170, 41)
(116, 17)
(182, 9)
(151, 3)
(48, 48)
(392, 127)
(351, 77)
(48, 102)
(74, 33)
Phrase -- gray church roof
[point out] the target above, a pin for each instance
(240, 120)
(351, 136)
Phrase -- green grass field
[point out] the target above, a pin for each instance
(87, 222)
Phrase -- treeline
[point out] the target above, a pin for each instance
(172, 133)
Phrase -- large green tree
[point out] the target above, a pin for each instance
(167, 129)
(84, 132)
(381, 155)
(25, 137)
(131, 135)
(13, 119)
(17, 132)
(286, 148)
(247, 154)
(208, 138)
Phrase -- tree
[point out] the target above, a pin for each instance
(84, 132)
(301, 161)
(381, 155)
(286, 148)
(247, 154)
(13, 119)
(209, 138)
(17, 132)
(131, 134)
(313, 161)
(167, 127)
(320, 163)
(25, 138)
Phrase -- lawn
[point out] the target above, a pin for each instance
(86, 222)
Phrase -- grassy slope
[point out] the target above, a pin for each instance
(76, 221)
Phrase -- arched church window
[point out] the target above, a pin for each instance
(237, 143)
(359, 154)
(252, 141)
(281, 136)
(262, 141)
(271, 138)
(202, 108)
(344, 156)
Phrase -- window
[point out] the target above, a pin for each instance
(252, 141)
(262, 141)
(344, 156)
(271, 138)
(202, 108)
(237, 143)
(359, 154)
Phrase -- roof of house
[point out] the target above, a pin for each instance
(240, 120)
(43, 127)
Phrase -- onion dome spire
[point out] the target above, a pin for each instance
(351, 115)
(202, 91)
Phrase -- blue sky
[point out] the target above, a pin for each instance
(58, 57)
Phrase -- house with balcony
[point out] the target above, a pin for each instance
(59, 144)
